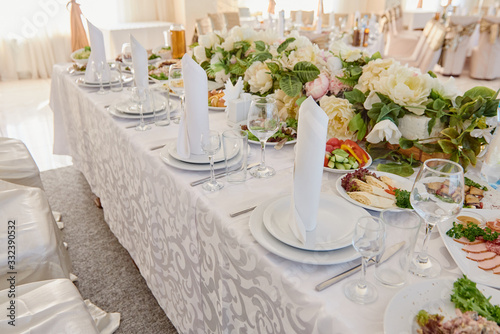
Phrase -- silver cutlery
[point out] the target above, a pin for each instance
(386, 256)
(280, 144)
(157, 147)
(237, 213)
(134, 125)
(219, 175)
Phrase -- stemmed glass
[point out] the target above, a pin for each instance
(141, 96)
(126, 53)
(368, 240)
(176, 82)
(210, 144)
(98, 69)
(263, 121)
(437, 195)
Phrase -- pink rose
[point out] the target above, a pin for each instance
(318, 87)
(336, 86)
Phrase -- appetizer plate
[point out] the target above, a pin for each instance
(200, 158)
(430, 295)
(467, 266)
(343, 171)
(335, 223)
(119, 114)
(171, 161)
(273, 245)
(217, 108)
(129, 107)
(81, 82)
(400, 182)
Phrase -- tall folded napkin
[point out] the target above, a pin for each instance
(308, 171)
(97, 54)
(194, 120)
(140, 63)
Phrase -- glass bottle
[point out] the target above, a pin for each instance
(356, 35)
(366, 36)
(178, 40)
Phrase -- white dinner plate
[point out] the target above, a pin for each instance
(467, 266)
(343, 171)
(335, 223)
(126, 78)
(201, 158)
(171, 161)
(273, 245)
(216, 108)
(130, 107)
(400, 182)
(430, 295)
(272, 143)
(113, 111)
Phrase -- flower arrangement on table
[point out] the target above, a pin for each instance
(401, 113)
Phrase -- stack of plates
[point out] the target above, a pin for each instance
(126, 78)
(129, 110)
(329, 243)
(195, 162)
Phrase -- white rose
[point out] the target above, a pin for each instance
(208, 41)
(221, 77)
(371, 100)
(339, 112)
(448, 89)
(372, 72)
(199, 53)
(334, 64)
(384, 130)
(258, 77)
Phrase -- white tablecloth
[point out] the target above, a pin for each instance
(206, 270)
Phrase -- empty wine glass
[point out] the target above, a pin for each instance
(437, 195)
(176, 83)
(98, 69)
(126, 53)
(263, 121)
(141, 96)
(368, 239)
(210, 144)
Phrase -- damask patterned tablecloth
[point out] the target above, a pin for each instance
(205, 269)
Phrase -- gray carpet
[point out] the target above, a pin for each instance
(107, 275)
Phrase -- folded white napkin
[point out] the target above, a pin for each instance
(140, 63)
(232, 92)
(194, 120)
(308, 171)
(98, 53)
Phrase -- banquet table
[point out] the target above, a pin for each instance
(206, 269)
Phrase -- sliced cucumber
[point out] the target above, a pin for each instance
(341, 152)
(331, 164)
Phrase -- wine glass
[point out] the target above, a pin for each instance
(263, 121)
(210, 144)
(126, 53)
(437, 195)
(368, 239)
(98, 69)
(176, 82)
(141, 96)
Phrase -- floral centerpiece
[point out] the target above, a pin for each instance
(401, 113)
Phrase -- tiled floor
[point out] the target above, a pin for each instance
(25, 114)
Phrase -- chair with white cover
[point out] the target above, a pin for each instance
(40, 252)
(398, 42)
(51, 306)
(204, 26)
(232, 19)
(244, 12)
(307, 17)
(420, 47)
(434, 42)
(17, 165)
(484, 63)
(218, 22)
(460, 29)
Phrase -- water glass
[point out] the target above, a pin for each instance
(97, 67)
(235, 143)
(368, 239)
(141, 97)
(116, 80)
(210, 144)
(401, 230)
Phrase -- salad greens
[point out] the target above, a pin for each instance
(470, 183)
(153, 56)
(403, 198)
(471, 232)
(467, 297)
(402, 169)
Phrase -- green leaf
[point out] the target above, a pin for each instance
(451, 133)
(431, 124)
(356, 70)
(471, 156)
(384, 112)
(260, 45)
(479, 91)
(490, 108)
(306, 71)
(401, 169)
(291, 85)
(432, 74)
(406, 143)
(285, 44)
(375, 56)
(383, 98)
(447, 146)
(263, 56)
(428, 148)
(468, 109)
(358, 124)
(273, 67)
(355, 96)
(300, 100)
(237, 69)
(439, 104)
(208, 53)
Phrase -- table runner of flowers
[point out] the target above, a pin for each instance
(395, 109)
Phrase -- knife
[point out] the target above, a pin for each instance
(222, 174)
(386, 256)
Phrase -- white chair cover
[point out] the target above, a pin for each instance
(52, 306)
(17, 165)
(434, 43)
(460, 30)
(420, 49)
(39, 252)
(484, 60)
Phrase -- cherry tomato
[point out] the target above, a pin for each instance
(329, 148)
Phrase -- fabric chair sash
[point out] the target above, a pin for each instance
(456, 33)
(492, 27)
